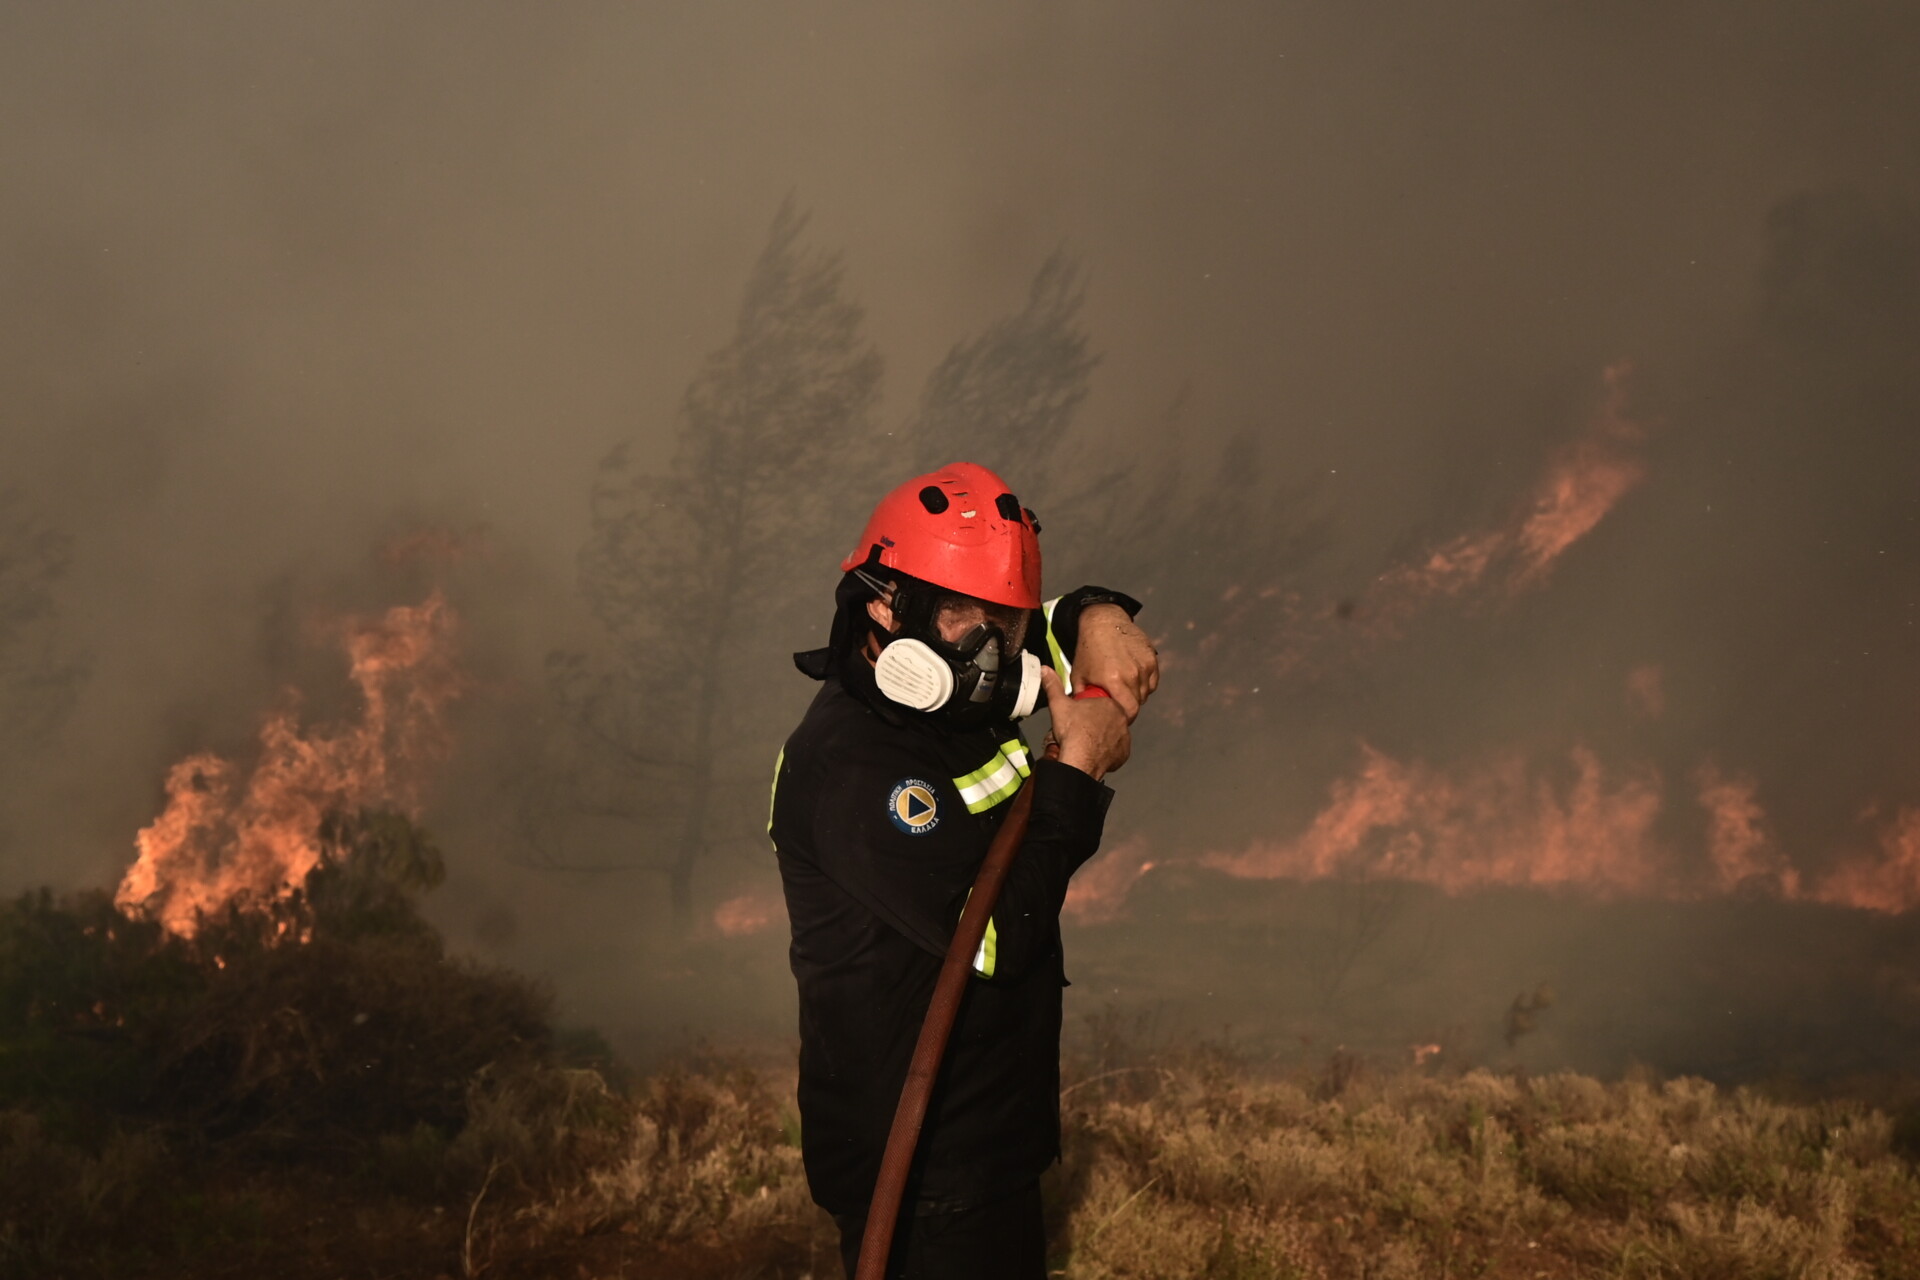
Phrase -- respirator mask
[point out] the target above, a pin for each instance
(980, 679)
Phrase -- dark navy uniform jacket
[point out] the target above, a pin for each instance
(881, 819)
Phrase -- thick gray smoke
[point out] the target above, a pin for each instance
(282, 284)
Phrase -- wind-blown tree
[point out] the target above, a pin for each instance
(1007, 396)
(689, 570)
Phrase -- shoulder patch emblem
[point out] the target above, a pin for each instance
(912, 806)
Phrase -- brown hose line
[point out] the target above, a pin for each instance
(877, 1242)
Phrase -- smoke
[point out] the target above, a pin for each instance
(283, 286)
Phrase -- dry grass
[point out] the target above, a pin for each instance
(1193, 1168)
(362, 1106)
(1208, 1172)
(1187, 1168)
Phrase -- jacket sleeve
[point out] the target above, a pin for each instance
(1054, 634)
(915, 875)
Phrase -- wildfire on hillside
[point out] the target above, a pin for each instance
(247, 836)
(1578, 826)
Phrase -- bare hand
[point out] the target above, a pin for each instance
(1092, 732)
(1116, 655)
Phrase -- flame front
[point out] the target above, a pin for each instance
(233, 838)
(1507, 824)
(1577, 826)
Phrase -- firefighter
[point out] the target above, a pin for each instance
(885, 799)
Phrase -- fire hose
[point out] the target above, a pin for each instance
(883, 1212)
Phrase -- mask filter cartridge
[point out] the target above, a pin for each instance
(910, 673)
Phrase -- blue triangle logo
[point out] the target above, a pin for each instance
(916, 807)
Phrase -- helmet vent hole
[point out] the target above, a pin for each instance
(933, 499)
(1008, 507)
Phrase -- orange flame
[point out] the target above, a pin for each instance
(1506, 825)
(1514, 824)
(1578, 490)
(1888, 881)
(1583, 486)
(1737, 839)
(227, 839)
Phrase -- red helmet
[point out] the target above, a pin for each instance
(958, 528)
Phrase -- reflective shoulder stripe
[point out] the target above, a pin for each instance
(997, 779)
(1016, 751)
(773, 792)
(1060, 662)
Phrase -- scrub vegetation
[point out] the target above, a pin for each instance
(317, 1090)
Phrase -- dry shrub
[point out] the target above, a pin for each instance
(334, 1037)
(702, 1150)
(1614, 1167)
(546, 1125)
(1751, 1241)
(54, 1194)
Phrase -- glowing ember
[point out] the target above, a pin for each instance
(744, 915)
(228, 838)
(1424, 1053)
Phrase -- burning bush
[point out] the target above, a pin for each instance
(333, 1012)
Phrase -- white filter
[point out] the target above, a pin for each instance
(913, 675)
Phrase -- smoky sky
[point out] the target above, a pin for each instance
(283, 280)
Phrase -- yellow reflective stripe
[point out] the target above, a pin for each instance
(773, 792)
(1060, 663)
(979, 795)
(981, 774)
(997, 779)
(1003, 792)
(1016, 753)
(983, 959)
(988, 951)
